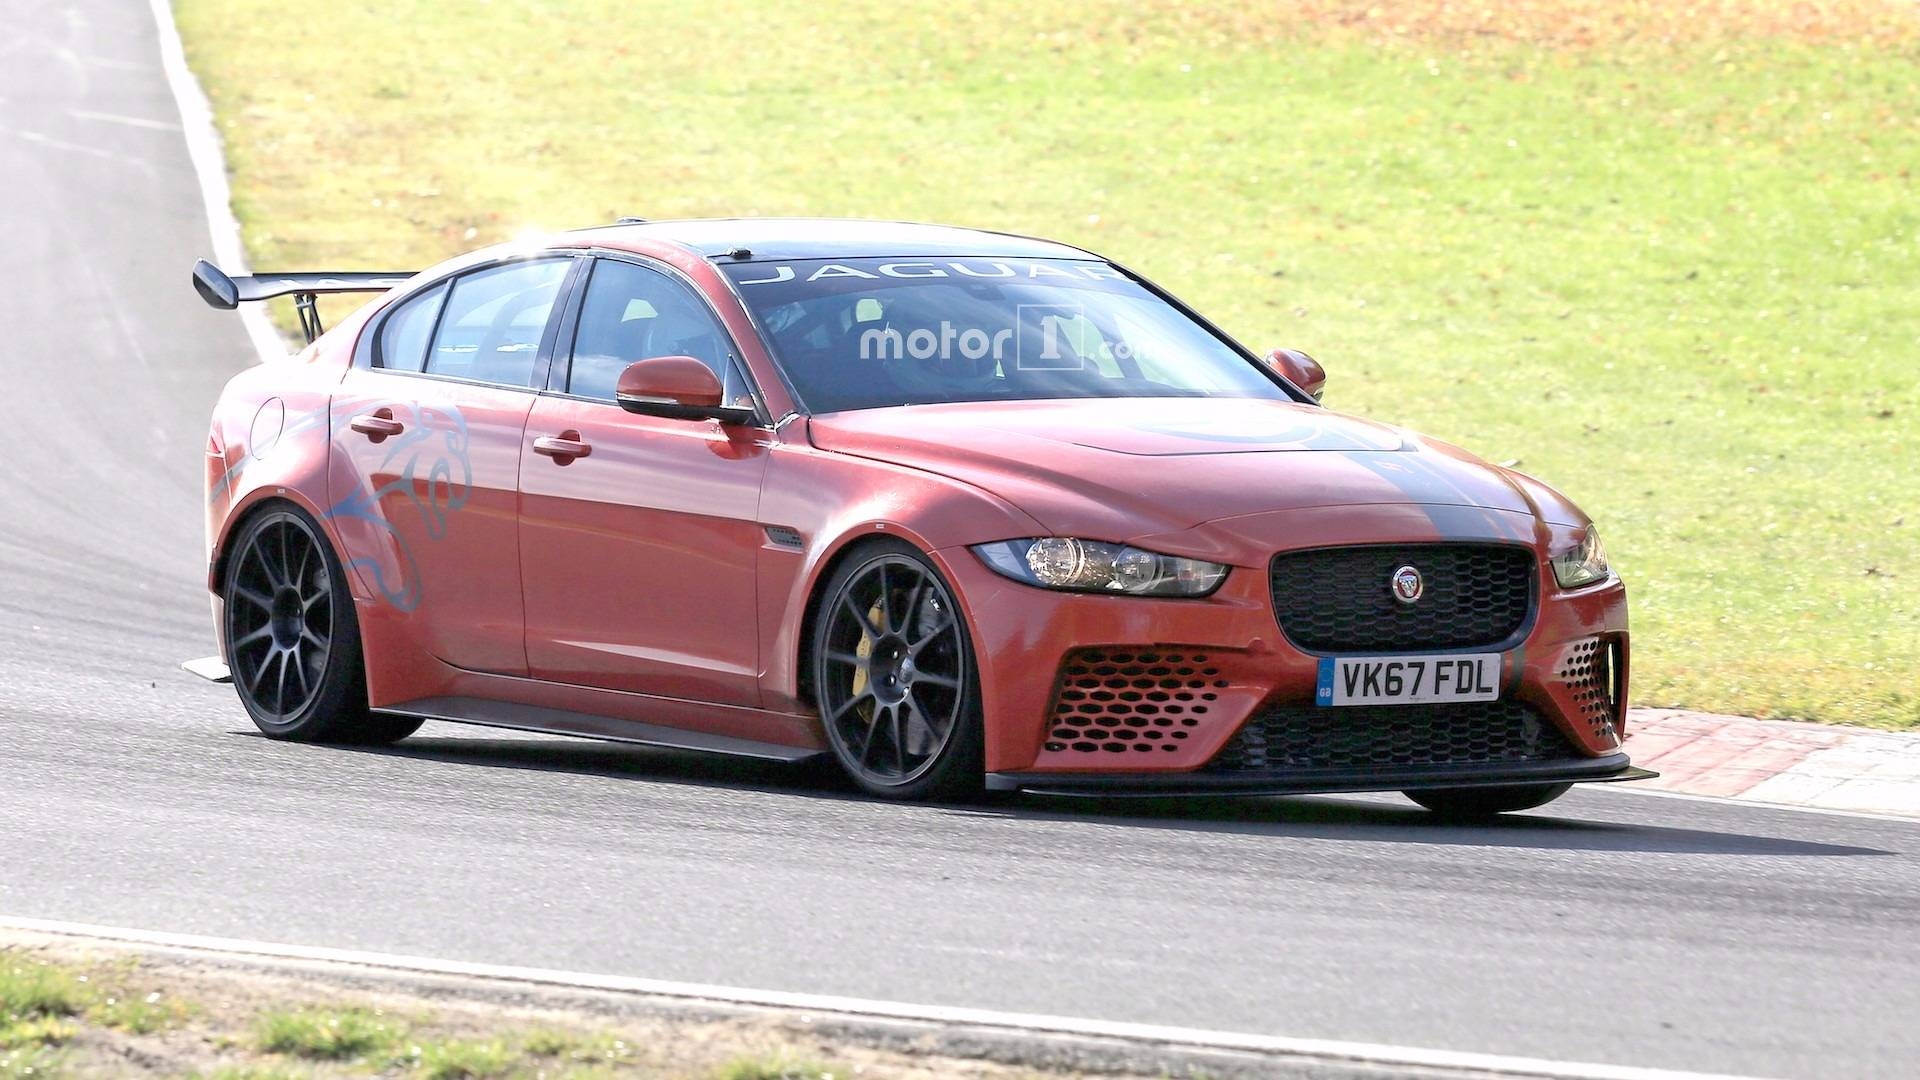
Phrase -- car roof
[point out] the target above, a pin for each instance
(833, 238)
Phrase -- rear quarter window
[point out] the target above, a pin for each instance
(403, 337)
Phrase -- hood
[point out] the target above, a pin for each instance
(1118, 468)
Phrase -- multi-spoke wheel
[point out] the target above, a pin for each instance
(893, 675)
(292, 643)
(1485, 802)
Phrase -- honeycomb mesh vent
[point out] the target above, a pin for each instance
(1116, 701)
(1588, 673)
(1341, 599)
(1371, 737)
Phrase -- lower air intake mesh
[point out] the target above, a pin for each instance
(1310, 737)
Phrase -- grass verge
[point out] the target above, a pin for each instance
(1665, 257)
(59, 1017)
(46, 1006)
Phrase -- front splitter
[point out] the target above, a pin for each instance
(1612, 768)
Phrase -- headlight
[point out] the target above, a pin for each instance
(1058, 562)
(1582, 564)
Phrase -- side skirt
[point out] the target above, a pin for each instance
(536, 718)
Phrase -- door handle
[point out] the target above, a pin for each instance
(377, 425)
(562, 448)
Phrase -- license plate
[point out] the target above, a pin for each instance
(1408, 680)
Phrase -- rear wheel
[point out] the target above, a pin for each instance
(292, 642)
(1486, 801)
(893, 675)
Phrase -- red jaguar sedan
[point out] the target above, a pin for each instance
(958, 508)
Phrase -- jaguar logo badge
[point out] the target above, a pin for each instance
(1408, 585)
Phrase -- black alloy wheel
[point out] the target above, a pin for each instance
(893, 676)
(292, 642)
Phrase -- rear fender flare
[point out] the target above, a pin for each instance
(256, 502)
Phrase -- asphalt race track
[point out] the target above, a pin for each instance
(1611, 927)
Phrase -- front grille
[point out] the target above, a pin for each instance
(1588, 671)
(1341, 599)
(1116, 700)
(1361, 737)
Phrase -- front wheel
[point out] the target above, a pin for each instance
(893, 675)
(292, 642)
(1486, 801)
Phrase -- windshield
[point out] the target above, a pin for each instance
(867, 333)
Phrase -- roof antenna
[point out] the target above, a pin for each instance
(740, 253)
(631, 221)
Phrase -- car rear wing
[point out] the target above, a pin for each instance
(227, 293)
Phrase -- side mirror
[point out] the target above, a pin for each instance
(1299, 369)
(677, 387)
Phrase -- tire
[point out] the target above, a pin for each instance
(894, 677)
(291, 639)
(1485, 802)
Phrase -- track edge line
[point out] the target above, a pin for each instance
(209, 160)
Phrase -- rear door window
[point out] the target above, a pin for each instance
(494, 322)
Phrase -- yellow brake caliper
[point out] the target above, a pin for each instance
(864, 650)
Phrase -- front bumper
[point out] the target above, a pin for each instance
(1211, 665)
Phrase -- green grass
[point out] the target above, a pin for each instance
(138, 1013)
(36, 1031)
(38, 1005)
(763, 1068)
(1681, 280)
(44, 1007)
(373, 1041)
(467, 1060)
(33, 990)
(323, 1034)
(30, 1063)
(63, 1017)
(575, 1047)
